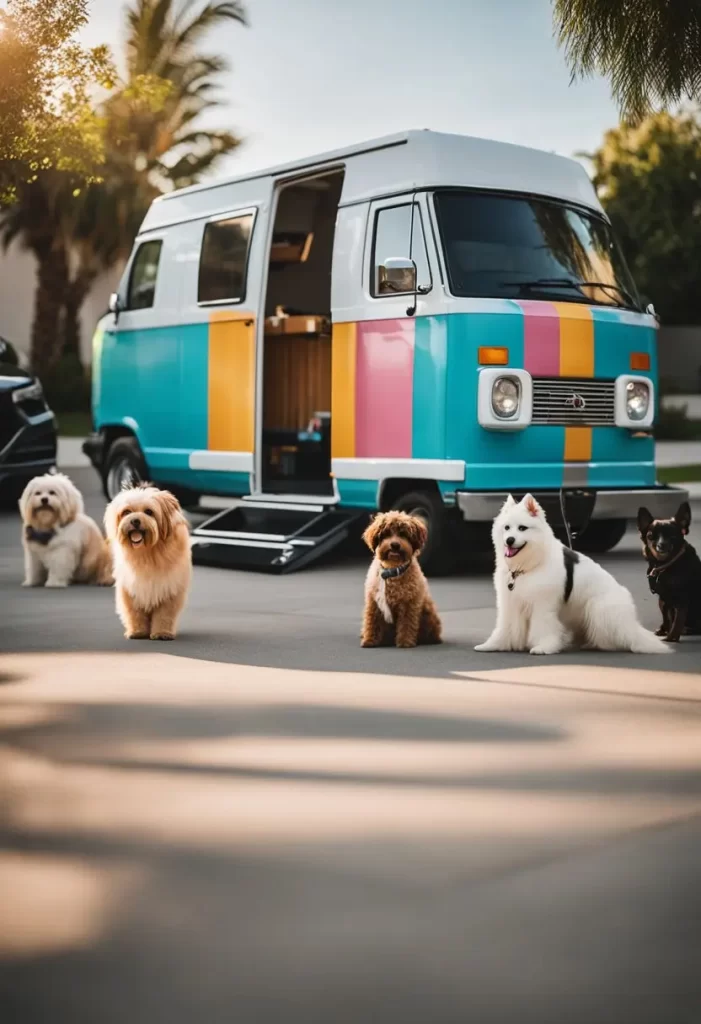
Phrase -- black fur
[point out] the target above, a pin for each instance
(571, 558)
(674, 572)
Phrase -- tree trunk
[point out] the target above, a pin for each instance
(75, 295)
(49, 296)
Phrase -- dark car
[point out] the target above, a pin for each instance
(27, 427)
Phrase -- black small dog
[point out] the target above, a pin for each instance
(674, 572)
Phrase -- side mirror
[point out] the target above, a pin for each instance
(115, 305)
(396, 275)
(650, 309)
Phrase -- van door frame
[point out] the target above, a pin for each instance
(279, 183)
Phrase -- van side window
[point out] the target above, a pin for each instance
(392, 232)
(223, 260)
(144, 271)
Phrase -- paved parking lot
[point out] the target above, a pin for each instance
(261, 822)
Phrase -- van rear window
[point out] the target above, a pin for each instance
(223, 260)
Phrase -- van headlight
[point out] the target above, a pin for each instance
(637, 399)
(33, 392)
(506, 397)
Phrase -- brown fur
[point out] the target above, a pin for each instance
(396, 538)
(152, 561)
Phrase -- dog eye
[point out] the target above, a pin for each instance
(507, 528)
(126, 511)
(52, 492)
(522, 528)
(148, 511)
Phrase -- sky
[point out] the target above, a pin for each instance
(313, 75)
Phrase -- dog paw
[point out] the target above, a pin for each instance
(671, 639)
(136, 636)
(406, 645)
(368, 643)
(544, 649)
(29, 583)
(162, 636)
(56, 584)
(661, 631)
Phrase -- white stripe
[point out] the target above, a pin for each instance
(222, 462)
(385, 469)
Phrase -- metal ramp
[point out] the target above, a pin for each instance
(271, 536)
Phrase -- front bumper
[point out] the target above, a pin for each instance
(663, 502)
(31, 451)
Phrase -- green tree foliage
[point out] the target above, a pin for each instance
(48, 118)
(649, 180)
(649, 50)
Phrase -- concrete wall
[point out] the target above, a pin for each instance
(17, 283)
(679, 354)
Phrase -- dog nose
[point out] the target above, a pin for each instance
(136, 523)
(510, 541)
(45, 500)
(395, 546)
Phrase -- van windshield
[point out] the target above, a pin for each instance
(522, 247)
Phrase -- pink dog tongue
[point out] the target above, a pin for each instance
(510, 552)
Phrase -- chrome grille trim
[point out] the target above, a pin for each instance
(555, 401)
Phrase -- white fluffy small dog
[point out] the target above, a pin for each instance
(549, 596)
(61, 544)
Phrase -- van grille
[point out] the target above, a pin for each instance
(564, 401)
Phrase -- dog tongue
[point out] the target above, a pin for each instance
(510, 552)
(136, 537)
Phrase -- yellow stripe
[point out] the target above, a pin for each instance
(231, 381)
(576, 340)
(578, 444)
(343, 353)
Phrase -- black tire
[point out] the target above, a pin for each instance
(601, 535)
(437, 558)
(124, 465)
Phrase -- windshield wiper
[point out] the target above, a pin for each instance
(570, 282)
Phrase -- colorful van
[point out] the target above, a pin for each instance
(424, 322)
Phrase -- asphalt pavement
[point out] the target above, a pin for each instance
(262, 822)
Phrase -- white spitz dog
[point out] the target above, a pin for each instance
(549, 596)
(61, 544)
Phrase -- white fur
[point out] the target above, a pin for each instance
(533, 616)
(375, 585)
(77, 553)
(150, 591)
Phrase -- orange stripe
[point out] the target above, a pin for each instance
(578, 444)
(343, 356)
(576, 340)
(231, 381)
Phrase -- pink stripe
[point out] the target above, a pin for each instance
(541, 338)
(384, 389)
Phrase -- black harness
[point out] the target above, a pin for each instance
(394, 572)
(655, 571)
(571, 558)
(39, 536)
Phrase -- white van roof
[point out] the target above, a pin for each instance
(395, 164)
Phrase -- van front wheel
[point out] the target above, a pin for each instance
(124, 466)
(427, 505)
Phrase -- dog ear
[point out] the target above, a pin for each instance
(645, 520)
(372, 532)
(531, 506)
(508, 503)
(110, 519)
(683, 517)
(24, 499)
(171, 512)
(418, 533)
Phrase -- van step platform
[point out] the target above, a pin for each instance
(265, 536)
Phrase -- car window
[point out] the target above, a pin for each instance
(223, 260)
(144, 271)
(392, 233)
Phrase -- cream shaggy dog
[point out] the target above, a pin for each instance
(152, 561)
(61, 544)
(549, 596)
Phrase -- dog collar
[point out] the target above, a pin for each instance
(39, 536)
(656, 571)
(397, 570)
(513, 576)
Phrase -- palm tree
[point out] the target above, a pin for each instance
(153, 144)
(650, 50)
(151, 147)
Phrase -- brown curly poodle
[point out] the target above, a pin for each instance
(398, 605)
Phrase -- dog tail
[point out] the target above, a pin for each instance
(645, 642)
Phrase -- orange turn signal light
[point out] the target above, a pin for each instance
(490, 356)
(639, 361)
